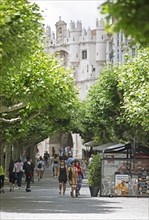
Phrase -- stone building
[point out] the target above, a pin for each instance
(117, 47)
(84, 51)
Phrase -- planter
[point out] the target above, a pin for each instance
(94, 190)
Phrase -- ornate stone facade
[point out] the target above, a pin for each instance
(85, 52)
(82, 50)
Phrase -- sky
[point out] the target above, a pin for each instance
(86, 11)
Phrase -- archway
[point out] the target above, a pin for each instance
(66, 140)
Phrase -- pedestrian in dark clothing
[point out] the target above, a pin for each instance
(62, 176)
(46, 158)
(12, 178)
(27, 167)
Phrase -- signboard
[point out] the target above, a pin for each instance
(143, 184)
(134, 185)
(77, 153)
(77, 147)
(121, 184)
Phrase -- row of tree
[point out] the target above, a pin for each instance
(39, 98)
(37, 92)
(117, 105)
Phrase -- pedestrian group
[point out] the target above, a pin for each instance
(65, 168)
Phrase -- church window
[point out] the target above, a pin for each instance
(76, 55)
(133, 52)
(102, 37)
(84, 54)
(118, 55)
(73, 39)
(122, 37)
(87, 68)
(117, 39)
(93, 68)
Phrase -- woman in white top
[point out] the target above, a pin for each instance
(19, 171)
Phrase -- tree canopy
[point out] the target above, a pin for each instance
(130, 16)
(42, 90)
(37, 92)
(20, 31)
(117, 104)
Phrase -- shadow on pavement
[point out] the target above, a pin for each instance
(44, 198)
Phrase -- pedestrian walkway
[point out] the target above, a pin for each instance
(45, 203)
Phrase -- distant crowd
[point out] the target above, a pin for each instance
(63, 166)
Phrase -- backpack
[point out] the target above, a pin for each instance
(27, 168)
(39, 166)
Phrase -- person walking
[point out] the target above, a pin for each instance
(72, 177)
(84, 167)
(55, 164)
(46, 158)
(40, 168)
(69, 160)
(12, 178)
(79, 177)
(62, 176)
(2, 178)
(19, 171)
(27, 167)
(90, 159)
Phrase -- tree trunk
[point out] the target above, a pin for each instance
(8, 157)
(17, 152)
(2, 154)
(32, 153)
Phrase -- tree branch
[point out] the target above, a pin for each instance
(10, 121)
(34, 116)
(4, 109)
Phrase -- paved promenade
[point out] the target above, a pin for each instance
(44, 203)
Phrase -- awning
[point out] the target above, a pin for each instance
(91, 144)
(115, 148)
(143, 149)
(110, 147)
(103, 146)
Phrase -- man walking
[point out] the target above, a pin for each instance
(28, 172)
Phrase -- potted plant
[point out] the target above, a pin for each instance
(94, 175)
